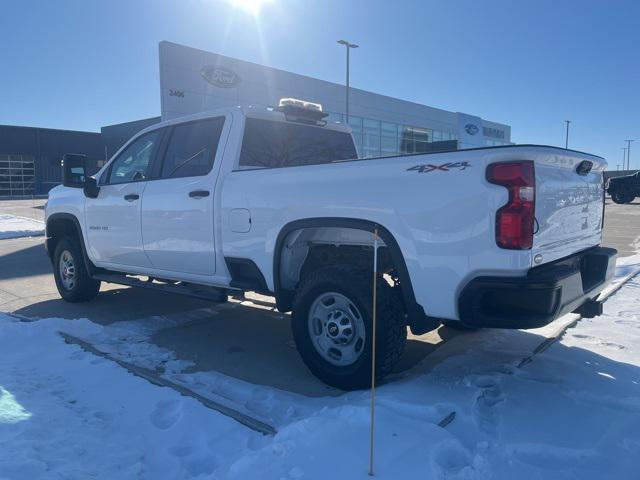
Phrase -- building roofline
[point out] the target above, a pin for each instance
(157, 117)
(50, 129)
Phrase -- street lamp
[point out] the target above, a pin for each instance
(348, 46)
(628, 154)
(566, 140)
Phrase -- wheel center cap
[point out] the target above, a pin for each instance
(333, 329)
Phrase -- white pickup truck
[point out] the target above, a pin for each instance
(275, 201)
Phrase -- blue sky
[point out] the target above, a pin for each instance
(83, 64)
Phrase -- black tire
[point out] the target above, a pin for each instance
(621, 197)
(83, 288)
(456, 325)
(356, 285)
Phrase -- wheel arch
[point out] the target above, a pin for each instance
(419, 321)
(65, 224)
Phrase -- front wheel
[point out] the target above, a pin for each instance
(72, 279)
(332, 326)
(621, 197)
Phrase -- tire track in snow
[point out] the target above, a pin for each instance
(163, 415)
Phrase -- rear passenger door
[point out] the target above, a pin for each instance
(178, 204)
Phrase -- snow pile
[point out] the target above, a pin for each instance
(572, 412)
(12, 226)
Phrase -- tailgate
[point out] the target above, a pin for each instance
(569, 205)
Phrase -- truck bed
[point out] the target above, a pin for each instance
(439, 206)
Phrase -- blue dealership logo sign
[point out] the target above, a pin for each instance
(471, 129)
(220, 77)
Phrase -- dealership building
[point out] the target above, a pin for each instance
(193, 81)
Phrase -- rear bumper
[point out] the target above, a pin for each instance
(544, 294)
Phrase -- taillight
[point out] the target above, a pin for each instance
(514, 221)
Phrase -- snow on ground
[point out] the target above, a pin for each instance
(65, 413)
(12, 226)
(572, 412)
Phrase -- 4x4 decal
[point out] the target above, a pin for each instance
(445, 167)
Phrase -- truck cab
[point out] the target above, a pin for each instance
(153, 208)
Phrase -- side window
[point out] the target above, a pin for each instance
(134, 163)
(192, 148)
(280, 144)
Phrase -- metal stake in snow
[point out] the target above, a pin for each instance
(373, 348)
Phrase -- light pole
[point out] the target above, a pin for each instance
(566, 139)
(624, 157)
(628, 154)
(348, 46)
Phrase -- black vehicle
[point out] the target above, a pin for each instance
(624, 189)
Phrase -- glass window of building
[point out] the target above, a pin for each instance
(355, 123)
(371, 144)
(406, 146)
(371, 141)
(389, 129)
(421, 134)
(415, 139)
(406, 139)
(371, 126)
(334, 118)
(378, 138)
(17, 175)
(389, 145)
(421, 147)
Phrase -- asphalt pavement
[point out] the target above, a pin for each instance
(622, 227)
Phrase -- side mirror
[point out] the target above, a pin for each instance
(91, 188)
(73, 170)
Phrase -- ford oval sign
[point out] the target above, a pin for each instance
(220, 77)
(471, 129)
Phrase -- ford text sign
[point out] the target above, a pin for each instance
(220, 77)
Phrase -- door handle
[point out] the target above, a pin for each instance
(131, 197)
(199, 193)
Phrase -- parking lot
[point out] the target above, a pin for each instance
(622, 227)
(244, 339)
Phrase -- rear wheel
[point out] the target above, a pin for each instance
(69, 270)
(332, 326)
(622, 197)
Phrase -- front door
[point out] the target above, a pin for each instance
(177, 206)
(112, 220)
